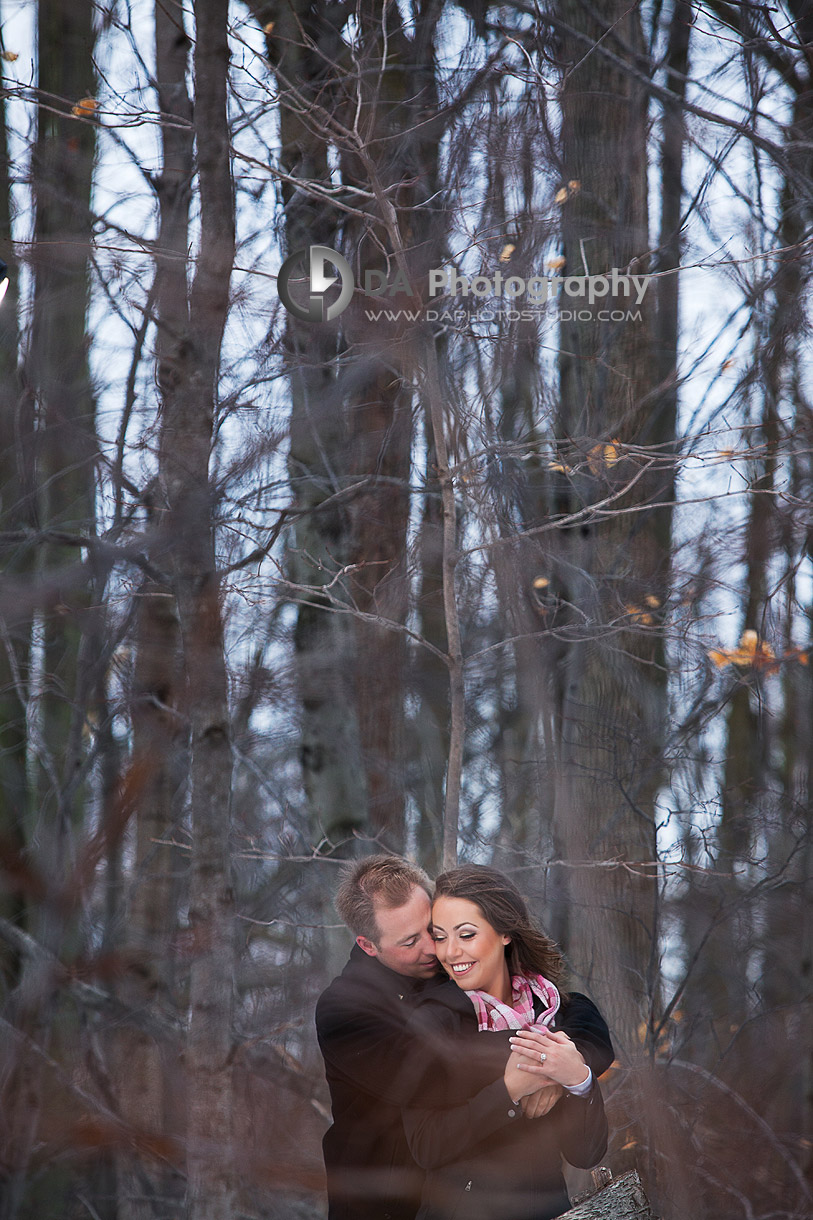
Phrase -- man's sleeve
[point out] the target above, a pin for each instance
(583, 1128)
(584, 1024)
(381, 1053)
(439, 1136)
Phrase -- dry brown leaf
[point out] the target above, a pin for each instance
(556, 263)
(506, 252)
(9, 56)
(561, 195)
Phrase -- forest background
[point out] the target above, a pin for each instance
(531, 588)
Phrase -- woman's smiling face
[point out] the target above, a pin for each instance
(469, 949)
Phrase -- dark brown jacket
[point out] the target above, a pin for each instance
(377, 1065)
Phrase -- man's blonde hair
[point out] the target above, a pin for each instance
(387, 881)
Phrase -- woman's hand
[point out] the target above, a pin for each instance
(549, 1054)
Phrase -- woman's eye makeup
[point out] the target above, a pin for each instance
(437, 937)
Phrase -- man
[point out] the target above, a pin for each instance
(375, 1065)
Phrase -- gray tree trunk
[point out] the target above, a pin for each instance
(189, 414)
(303, 47)
(611, 717)
(54, 424)
(16, 482)
(149, 1093)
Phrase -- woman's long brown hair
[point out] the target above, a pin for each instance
(530, 951)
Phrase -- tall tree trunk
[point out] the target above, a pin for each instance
(147, 1092)
(16, 484)
(395, 89)
(528, 604)
(610, 727)
(304, 47)
(57, 369)
(390, 88)
(57, 449)
(189, 416)
(431, 677)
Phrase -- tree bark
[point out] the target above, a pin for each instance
(16, 484)
(148, 1093)
(611, 713)
(189, 415)
(304, 48)
(54, 451)
(623, 1199)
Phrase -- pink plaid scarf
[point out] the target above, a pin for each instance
(493, 1014)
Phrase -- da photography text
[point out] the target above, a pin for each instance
(311, 293)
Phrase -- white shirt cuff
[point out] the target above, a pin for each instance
(581, 1090)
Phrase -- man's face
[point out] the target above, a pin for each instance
(403, 942)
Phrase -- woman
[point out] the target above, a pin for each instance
(484, 1159)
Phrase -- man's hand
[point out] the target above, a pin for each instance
(539, 1103)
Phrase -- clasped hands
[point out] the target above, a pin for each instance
(539, 1084)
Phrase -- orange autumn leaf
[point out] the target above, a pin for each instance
(638, 615)
(604, 455)
(86, 107)
(9, 56)
(750, 652)
(561, 195)
(612, 453)
(556, 263)
(506, 252)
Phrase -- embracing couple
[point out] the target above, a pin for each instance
(460, 1071)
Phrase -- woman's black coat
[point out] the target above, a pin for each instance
(483, 1159)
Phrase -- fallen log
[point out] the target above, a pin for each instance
(623, 1199)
